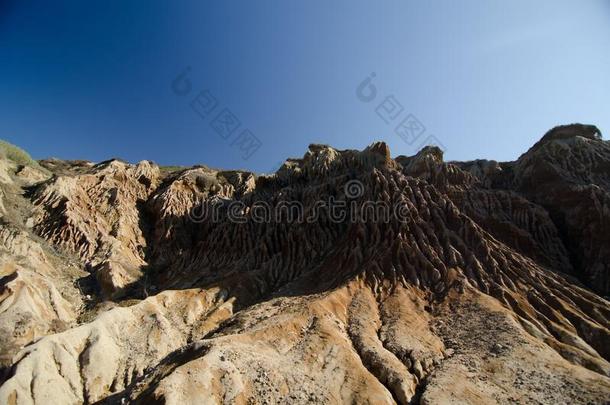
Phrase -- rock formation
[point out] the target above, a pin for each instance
(345, 277)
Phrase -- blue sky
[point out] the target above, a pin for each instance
(485, 79)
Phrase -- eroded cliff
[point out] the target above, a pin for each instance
(345, 277)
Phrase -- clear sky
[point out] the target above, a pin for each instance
(486, 79)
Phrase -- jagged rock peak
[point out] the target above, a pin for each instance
(378, 155)
(321, 161)
(570, 132)
(469, 288)
(428, 155)
(431, 152)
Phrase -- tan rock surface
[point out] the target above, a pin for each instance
(96, 215)
(474, 290)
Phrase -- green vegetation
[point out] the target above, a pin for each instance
(16, 154)
(170, 169)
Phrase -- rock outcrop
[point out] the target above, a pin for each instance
(97, 215)
(345, 277)
(568, 173)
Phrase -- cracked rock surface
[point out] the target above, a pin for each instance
(486, 283)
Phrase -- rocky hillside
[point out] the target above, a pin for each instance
(344, 277)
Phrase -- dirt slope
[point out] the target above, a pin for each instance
(345, 277)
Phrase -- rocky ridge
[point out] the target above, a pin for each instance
(486, 283)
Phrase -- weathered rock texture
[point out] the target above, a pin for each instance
(484, 282)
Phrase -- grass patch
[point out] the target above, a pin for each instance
(16, 154)
(170, 169)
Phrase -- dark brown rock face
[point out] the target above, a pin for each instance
(551, 204)
(346, 277)
(568, 173)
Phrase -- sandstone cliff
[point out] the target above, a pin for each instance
(483, 282)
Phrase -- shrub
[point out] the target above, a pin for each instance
(16, 154)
